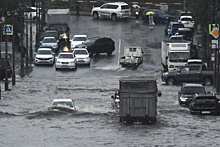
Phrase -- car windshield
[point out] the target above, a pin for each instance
(51, 34)
(186, 19)
(179, 56)
(178, 26)
(45, 52)
(65, 56)
(81, 52)
(49, 40)
(58, 27)
(193, 90)
(205, 100)
(79, 38)
(69, 104)
(176, 38)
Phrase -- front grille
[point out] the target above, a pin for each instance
(65, 62)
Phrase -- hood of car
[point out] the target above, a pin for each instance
(43, 56)
(49, 44)
(82, 56)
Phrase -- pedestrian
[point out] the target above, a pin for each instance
(151, 21)
(137, 13)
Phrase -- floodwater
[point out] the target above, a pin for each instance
(25, 121)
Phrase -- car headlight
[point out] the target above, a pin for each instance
(182, 98)
(72, 61)
(165, 74)
(58, 62)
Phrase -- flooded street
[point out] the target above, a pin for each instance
(26, 122)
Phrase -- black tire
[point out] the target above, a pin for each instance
(114, 17)
(56, 69)
(208, 81)
(109, 53)
(95, 15)
(170, 81)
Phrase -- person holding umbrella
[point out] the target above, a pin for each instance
(151, 21)
(137, 12)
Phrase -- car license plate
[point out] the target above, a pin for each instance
(206, 112)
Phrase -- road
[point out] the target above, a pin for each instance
(26, 122)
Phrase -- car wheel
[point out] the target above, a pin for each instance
(56, 69)
(109, 53)
(95, 15)
(114, 17)
(207, 81)
(171, 81)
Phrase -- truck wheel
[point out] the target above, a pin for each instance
(95, 15)
(207, 81)
(114, 17)
(171, 81)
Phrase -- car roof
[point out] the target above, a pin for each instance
(49, 38)
(49, 49)
(45, 46)
(80, 36)
(192, 85)
(79, 48)
(184, 16)
(62, 100)
(194, 60)
(117, 3)
(66, 52)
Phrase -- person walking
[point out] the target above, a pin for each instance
(137, 13)
(151, 21)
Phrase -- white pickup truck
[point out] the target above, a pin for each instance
(133, 55)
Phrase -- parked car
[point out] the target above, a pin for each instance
(44, 56)
(184, 13)
(50, 41)
(66, 105)
(204, 104)
(102, 45)
(187, 91)
(172, 27)
(112, 10)
(159, 16)
(51, 33)
(82, 56)
(77, 39)
(65, 60)
(187, 21)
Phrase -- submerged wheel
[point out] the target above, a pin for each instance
(95, 15)
(114, 17)
(171, 81)
(207, 81)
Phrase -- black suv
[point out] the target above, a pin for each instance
(187, 92)
(3, 64)
(102, 45)
(204, 104)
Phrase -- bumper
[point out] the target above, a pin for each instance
(83, 61)
(66, 66)
(44, 61)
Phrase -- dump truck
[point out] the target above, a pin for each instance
(133, 55)
(138, 99)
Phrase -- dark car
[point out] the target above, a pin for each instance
(3, 66)
(102, 45)
(184, 13)
(172, 28)
(159, 16)
(204, 104)
(187, 32)
(61, 28)
(187, 92)
(51, 33)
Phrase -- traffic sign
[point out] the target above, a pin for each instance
(215, 32)
(8, 29)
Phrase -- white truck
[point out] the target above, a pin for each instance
(175, 54)
(133, 55)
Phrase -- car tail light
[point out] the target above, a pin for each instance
(171, 66)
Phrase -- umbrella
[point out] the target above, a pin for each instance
(150, 13)
(136, 6)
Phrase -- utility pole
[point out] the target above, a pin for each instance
(31, 45)
(26, 49)
(6, 63)
(22, 48)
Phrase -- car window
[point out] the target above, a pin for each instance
(66, 56)
(49, 40)
(125, 7)
(184, 70)
(186, 19)
(45, 52)
(193, 90)
(194, 68)
(79, 38)
(104, 7)
(82, 52)
(112, 6)
(178, 25)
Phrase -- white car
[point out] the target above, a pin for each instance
(82, 56)
(65, 60)
(187, 21)
(31, 13)
(50, 41)
(44, 56)
(112, 10)
(78, 39)
(66, 105)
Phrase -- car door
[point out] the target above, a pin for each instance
(103, 10)
(195, 74)
(182, 74)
